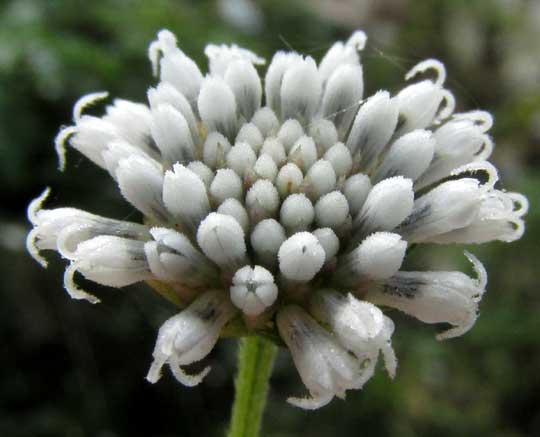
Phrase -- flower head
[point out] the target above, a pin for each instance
(284, 206)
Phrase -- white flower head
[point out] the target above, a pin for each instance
(292, 197)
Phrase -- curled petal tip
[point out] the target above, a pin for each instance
(312, 403)
(429, 64)
(60, 145)
(33, 250)
(86, 101)
(36, 205)
(187, 379)
(479, 269)
(73, 290)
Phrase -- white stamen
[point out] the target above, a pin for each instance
(356, 190)
(215, 150)
(289, 179)
(236, 210)
(262, 201)
(265, 168)
(241, 158)
(329, 242)
(320, 179)
(266, 121)
(332, 210)
(340, 158)
(249, 133)
(303, 153)
(226, 185)
(266, 239)
(289, 133)
(273, 148)
(253, 290)
(297, 213)
(301, 257)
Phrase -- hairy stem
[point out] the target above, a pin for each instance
(255, 360)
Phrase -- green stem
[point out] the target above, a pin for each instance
(255, 360)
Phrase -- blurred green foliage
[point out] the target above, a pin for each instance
(71, 369)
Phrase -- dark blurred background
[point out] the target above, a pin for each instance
(72, 369)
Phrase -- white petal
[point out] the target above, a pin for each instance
(141, 183)
(184, 195)
(420, 105)
(177, 69)
(190, 336)
(342, 96)
(435, 297)
(458, 142)
(172, 135)
(388, 203)
(245, 84)
(107, 260)
(165, 93)
(281, 62)
(326, 369)
(173, 258)
(120, 149)
(222, 57)
(378, 257)
(409, 156)
(342, 54)
(300, 90)
(222, 240)
(372, 128)
(217, 106)
(451, 205)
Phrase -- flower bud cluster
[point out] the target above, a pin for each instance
(284, 204)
